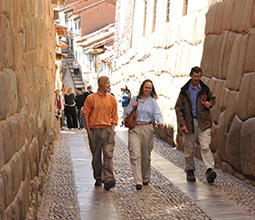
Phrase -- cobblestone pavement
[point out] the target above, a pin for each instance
(60, 198)
(160, 200)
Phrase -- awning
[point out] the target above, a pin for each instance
(60, 29)
(62, 45)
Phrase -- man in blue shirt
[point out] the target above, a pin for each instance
(195, 121)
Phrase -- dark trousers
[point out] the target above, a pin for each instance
(70, 113)
(76, 71)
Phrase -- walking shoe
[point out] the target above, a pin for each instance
(145, 183)
(210, 176)
(98, 183)
(139, 187)
(109, 184)
(190, 177)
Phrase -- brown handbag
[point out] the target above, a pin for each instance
(130, 119)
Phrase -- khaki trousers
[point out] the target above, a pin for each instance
(204, 138)
(101, 140)
(140, 145)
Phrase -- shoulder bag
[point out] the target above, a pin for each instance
(130, 119)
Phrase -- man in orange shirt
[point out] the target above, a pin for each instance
(101, 117)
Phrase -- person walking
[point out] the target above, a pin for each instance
(89, 91)
(140, 138)
(70, 111)
(126, 96)
(80, 98)
(101, 117)
(195, 121)
(59, 107)
(76, 68)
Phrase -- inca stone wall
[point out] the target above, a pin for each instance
(220, 39)
(27, 121)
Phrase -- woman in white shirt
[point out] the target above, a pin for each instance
(140, 138)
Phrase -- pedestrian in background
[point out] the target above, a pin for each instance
(89, 91)
(80, 98)
(125, 99)
(70, 111)
(100, 114)
(76, 68)
(59, 107)
(141, 137)
(195, 121)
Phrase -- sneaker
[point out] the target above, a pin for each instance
(210, 176)
(98, 183)
(190, 177)
(109, 184)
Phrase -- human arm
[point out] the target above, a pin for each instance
(179, 109)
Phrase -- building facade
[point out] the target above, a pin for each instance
(163, 40)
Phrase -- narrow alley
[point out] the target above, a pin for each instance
(71, 194)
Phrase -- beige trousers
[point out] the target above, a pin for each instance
(140, 145)
(204, 138)
(101, 140)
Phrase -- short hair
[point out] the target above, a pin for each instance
(102, 81)
(196, 69)
(88, 87)
(79, 89)
(57, 90)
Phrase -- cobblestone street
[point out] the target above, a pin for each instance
(70, 191)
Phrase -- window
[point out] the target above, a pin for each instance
(185, 7)
(168, 11)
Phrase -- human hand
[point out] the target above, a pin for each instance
(184, 130)
(135, 104)
(207, 104)
(162, 125)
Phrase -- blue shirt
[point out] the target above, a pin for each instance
(125, 99)
(193, 96)
(147, 110)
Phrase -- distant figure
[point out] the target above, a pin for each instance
(126, 96)
(70, 108)
(89, 91)
(59, 107)
(76, 68)
(141, 137)
(109, 91)
(101, 117)
(80, 98)
(195, 121)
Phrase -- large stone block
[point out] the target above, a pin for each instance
(237, 16)
(210, 19)
(8, 184)
(233, 144)
(218, 23)
(233, 63)
(250, 58)
(243, 97)
(2, 196)
(7, 146)
(14, 128)
(251, 101)
(199, 31)
(4, 39)
(247, 150)
(2, 160)
(228, 14)
(208, 55)
(231, 107)
(17, 170)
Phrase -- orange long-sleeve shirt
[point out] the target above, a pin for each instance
(101, 110)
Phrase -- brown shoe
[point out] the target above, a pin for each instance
(109, 184)
(210, 176)
(145, 183)
(190, 176)
(139, 187)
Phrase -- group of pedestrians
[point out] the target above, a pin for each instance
(70, 106)
(193, 116)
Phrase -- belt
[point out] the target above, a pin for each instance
(143, 123)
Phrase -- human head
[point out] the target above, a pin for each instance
(123, 88)
(195, 74)
(196, 69)
(79, 91)
(153, 93)
(89, 88)
(104, 83)
(69, 90)
(57, 92)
